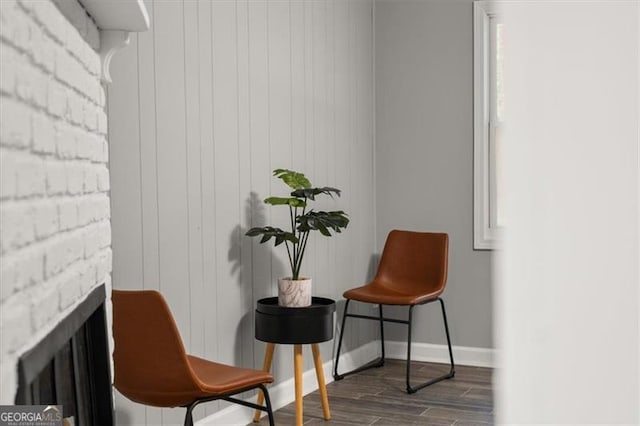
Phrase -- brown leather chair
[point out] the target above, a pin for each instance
(412, 271)
(152, 367)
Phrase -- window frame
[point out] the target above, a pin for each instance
(486, 235)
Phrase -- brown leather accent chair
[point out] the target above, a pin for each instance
(152, 367)
(412, 271)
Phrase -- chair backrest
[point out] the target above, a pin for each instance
(150, 361)
(414, 260)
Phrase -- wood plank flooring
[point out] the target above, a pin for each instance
(377, 397)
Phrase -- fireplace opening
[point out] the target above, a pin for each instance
(71, 366)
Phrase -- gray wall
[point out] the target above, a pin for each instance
(205, 105)
(424, 151)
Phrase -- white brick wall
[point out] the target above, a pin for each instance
(55, 232)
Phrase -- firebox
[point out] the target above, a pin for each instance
(71, 366)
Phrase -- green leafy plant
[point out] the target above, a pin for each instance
(302, 219)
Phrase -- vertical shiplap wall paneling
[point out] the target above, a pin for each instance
(332, 180)
(365, 18)
(300, 83)
(226, 169)
(365, 51)
(297, 103)
(207, 180)
(365, 59)
(328, 286)
(369, 140)
(171, 139)
(207, 103)
(310, 107)
(279, 73)
(196, 288)
(343, 262)
(148, 154)
(319, 170)
(279, 107)
(244, 179)
(354, 326)
(126, 172)
(126, 205)
(194, 189)
(297, 83)
(359, 326)
(259, 145)
(146, 80)
(323, 132)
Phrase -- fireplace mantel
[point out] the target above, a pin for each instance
(116, 20)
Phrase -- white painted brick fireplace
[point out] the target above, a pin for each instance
(55, 235)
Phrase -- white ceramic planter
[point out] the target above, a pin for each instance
(294, 293)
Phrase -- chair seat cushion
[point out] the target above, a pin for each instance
(377, 292)
(218, 379)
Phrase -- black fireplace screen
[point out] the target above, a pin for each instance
(71, 367)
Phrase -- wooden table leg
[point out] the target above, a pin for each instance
(317, 360)
(268, 358)
(297, 361)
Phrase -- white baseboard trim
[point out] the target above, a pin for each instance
(283, 393)
(427, 352)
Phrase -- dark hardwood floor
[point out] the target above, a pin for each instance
(378, 397)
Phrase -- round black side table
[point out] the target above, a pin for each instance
(297, 326)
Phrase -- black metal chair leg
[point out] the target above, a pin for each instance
(379, 362)
(409, 389)
(381, 335)
(452, 371)
(337, 376)
(414, 389)
(267, 402)
(188, 418)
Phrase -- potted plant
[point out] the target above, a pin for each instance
(295, 291)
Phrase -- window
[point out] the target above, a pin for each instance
(488, 111)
